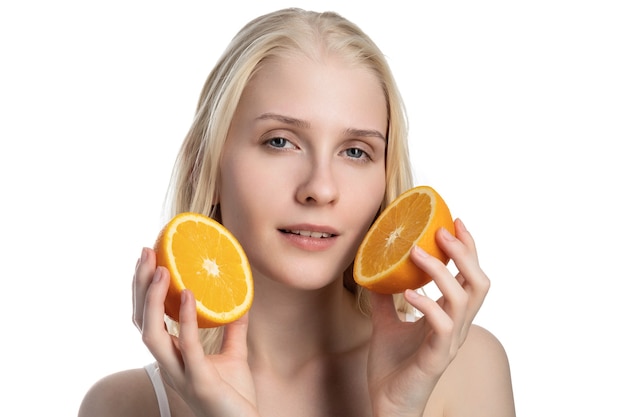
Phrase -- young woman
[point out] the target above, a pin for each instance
(299, 141)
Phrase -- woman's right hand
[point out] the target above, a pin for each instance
(219, 384)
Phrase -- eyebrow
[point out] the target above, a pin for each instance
(284, 119)
(366, 133)
(373, 133)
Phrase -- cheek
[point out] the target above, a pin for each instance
(234, 194)
(245, 191)
(366, 193)
(374, 201)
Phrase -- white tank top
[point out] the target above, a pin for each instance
(159, 389)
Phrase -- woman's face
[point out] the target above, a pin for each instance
(303, 168)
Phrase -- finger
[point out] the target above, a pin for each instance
(154, 335)
(189, 342)
(200, 372)
(440, 322)
(462, 250)
(234, 341)
(464, 236)
(454, 298)
(144, 271)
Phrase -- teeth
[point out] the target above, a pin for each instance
(308, 233)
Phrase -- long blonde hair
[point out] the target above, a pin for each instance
(195, 179)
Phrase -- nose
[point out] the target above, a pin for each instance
(319, 185)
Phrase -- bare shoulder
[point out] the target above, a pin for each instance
(482, 350)
(125, 393)
(478, 381)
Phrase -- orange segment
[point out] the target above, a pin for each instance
(382, 262)
(204, 257)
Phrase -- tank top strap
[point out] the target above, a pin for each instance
(159, 389)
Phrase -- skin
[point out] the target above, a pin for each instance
(305, 152)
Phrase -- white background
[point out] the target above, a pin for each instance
(517, 111)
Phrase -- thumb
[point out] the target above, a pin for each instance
(234, 341)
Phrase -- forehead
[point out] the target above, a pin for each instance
(327, 86)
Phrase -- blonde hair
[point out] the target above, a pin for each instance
(195, 179)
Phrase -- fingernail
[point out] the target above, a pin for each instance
(420, 252)
(187, 296)
(461, 225)
(411, 294)
(157, 275)
(447, 235)
(144, 254)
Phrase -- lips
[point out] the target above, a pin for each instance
(308, 233)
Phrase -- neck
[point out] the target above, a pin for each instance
(290, 327)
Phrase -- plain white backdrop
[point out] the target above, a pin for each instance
(517, 116)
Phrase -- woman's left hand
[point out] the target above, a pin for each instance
(407, 359)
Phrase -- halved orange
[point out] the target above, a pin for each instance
(203, 256)
(382, 262)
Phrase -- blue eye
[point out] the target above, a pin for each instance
(355, 153)
(278, 142)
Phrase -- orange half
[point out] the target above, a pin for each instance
(204, 257)
(382, 262)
